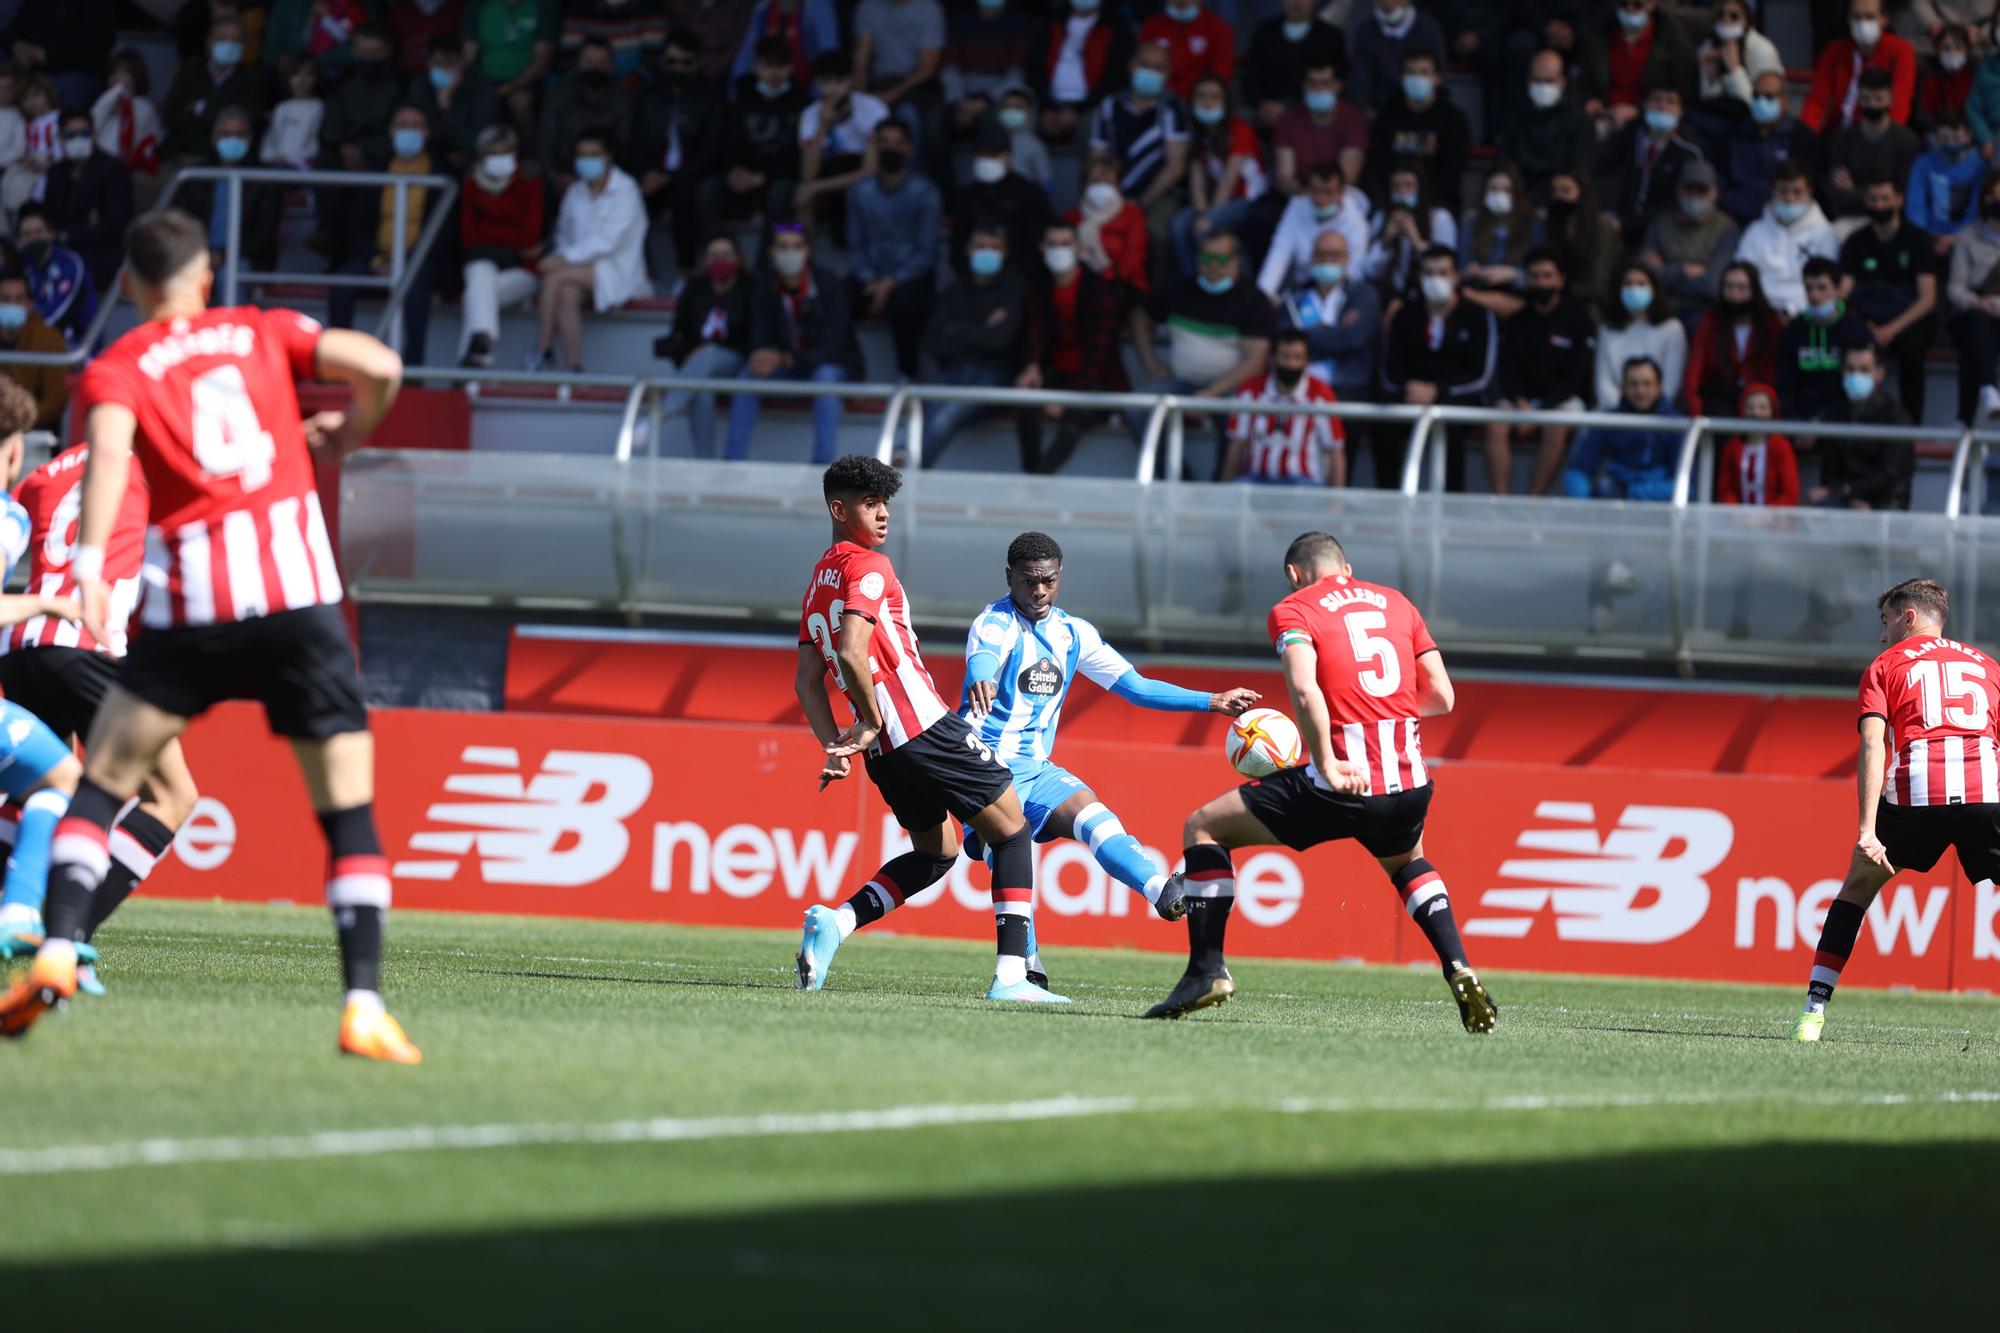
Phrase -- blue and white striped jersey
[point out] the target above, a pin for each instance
(14, 530)
(1037, 662)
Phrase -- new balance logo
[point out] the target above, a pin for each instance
(562, 827)
(1622, 888)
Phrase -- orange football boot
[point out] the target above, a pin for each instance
(48, 982)
(373, 1035)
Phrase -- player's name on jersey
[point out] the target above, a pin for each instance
(213, 340)
(1943, 643)
(1333, 601)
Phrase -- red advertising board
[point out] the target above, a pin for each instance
(1552, 866)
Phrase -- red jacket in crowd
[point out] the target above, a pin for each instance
(1757, 472)
(1836, 73)
(1713, 371)
(510, 220)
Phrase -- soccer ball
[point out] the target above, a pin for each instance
(1263, 741)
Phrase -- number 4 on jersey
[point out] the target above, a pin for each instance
(229, 441)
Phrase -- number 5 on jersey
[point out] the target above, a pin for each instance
(229, 441)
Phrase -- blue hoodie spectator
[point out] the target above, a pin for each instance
(1944, 182)
(1627, 464)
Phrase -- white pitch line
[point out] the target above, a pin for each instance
(76, 1159)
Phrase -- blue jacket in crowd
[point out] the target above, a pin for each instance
(894, 233)
(1624, 464)
(1944, 191)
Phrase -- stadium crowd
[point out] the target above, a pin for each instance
(1275, 200)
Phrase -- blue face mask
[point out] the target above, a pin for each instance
(1788, 213)
(1951, 150)
(1636, 298)
(774, 90)
(1859, 384)
(1148, 82)
(1634, 20)
(1210, 115)
(1329, 275)
(232, 148)
(1662, 122)
(13, 318)
(1215, 286)
(1765, 110)
(1824, 313)
(1418, 88)
(226, 54)
(590, 169)
(1319, 100)
(1184, 13)
(987, 263)
(441, 78)
(407, 143)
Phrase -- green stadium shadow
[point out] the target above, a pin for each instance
(1829, 1236)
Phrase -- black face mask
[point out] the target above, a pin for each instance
(597, 80)
(1881, 217)
(892, 160)
(1285, 378)
(1735, 309)
(1545, 296)
(1561, 208)
(1875, 114)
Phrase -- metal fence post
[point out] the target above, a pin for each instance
(885, 444)
(233, 245)
(916, 440)
(397, 244)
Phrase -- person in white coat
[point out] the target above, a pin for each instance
(1791, 230)
(599, 250)
(1639, 324)
(1734, 54)
(1328, 204)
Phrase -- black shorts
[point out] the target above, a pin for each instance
(61, 686)
(1916, 836)
(1303, 814)
(946, 772)
(298, 664)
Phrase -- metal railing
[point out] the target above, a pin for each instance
(404, 261)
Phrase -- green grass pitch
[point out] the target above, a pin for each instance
(639, 1127)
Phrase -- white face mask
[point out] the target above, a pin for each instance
(1060, 258)
(1866, 32)
(791, 263)
(1951, 61)
(1101, 197)
(499, 166)
(989, 170)
(1729, 32)
(1499, 202)
(1437, 289)
(76, 147)
(1545, 95)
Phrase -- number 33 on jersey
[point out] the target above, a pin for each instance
(1939, 699)
(1367, 639)
(235, 524)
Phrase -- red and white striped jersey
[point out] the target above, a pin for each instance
(1286, 446)
(53, 496)
(1367, 639)
(852, 580)
(1940, 699)
(235, 524)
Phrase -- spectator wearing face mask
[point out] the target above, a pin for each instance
(1219, 330)
(1923, 21)
(456, 100)
(63, 289)
(1420, 124)
(1071, 341)
(1269, 446)
(1734, 346)
(998, 194)
(263, 205)
(1811, 347)
(598, 254)
(1583, 238)
(1757, 469)
(1282, 49)
(1872, 146)
(710, 337)
(800, 329)
(22, 329)
(1944, 182)
(1408, 223)
(500, 235)
(1492, 240)
(1732, 56)
(1792, 225)
(1947, 76)
(1891, 268)
(1327, 205)
(1756, 145)
(413, 26)
(354, 136)
(1626, 464)
(217, 78)
(1972, 290)
(1225, 176)
(1146, 130)
(1548, 358)
(676, 145)
(760, 141)
(1016, 115)
(373, 251)
(1689, 247)
(1639, 168)
(976, 334)
(1865, 473)
(985, 50)
(589, 100)
(1322, 126)
(1834, 101)
(895, 227)
(1381, 39)
(1551, 131)
(1340, 315)
(89, 199)
(1441, 350)
(1622, 58)
(1198, 43)
(1639, 325)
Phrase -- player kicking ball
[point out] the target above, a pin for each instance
(1362, 670)
(1021, 656)
(854, 629)
(242, 591)
(1928, 774)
